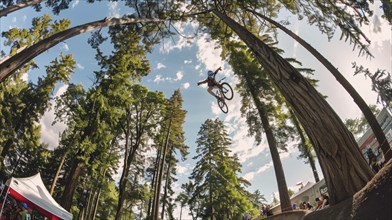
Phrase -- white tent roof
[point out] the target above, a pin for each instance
(34, 190)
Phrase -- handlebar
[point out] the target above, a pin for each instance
(222, 79)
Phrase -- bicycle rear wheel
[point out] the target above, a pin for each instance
(223, 106)
(227, 91)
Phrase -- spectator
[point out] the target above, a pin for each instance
(269, 211)
(325, 201)
(319, 203)
(309, 206)
(24, 214)
(302, 205)
(262, 210)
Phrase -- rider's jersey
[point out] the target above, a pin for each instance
(211, 80)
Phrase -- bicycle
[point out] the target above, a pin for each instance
(227, 92)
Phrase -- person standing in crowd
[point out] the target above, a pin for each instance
(319, 202)
(325, 201)
(24, 214)
(309, 206)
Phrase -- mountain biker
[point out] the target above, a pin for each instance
(212, 83)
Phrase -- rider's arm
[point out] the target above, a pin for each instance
(217, 70)
(202, 82)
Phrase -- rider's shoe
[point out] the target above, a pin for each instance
(220, 99)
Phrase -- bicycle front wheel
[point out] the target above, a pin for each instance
(227, 91)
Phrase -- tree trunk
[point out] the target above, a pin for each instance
(372, 120)
(19, 6)
(124, 175)
(88, 205)
(285, 202)
(153, 186)
(71, 184)
(210, 193)
(80, 215)
(160, 174)
(344, 167)
(15, 62)
(96, 203)
(121, 193)
(181, 213)
(56, 176)
(166, 184)
(309, 155)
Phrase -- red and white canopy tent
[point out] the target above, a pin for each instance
(32, 191)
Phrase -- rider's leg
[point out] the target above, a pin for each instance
(220, 92)
(211, 92)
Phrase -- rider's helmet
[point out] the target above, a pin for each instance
(210, 73)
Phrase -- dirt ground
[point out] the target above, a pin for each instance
(373, 202)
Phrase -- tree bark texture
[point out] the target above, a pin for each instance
(372, 120)
(9, 66)
(70, 187)
(96, 203)
(153, 187)
(128, 157)
(56, 176)
(166, 185)
(160, 174)
(344, 167)
(285, 202)
(19, 6)
(309, 155)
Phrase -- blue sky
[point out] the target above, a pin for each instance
(181, 63)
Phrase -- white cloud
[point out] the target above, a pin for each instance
(79, 66)
(114, 10)
(13, 19)
(50, 133)
(295, 46)
(183, 170)
(180, 44)
(158, 79)
(265, 167)
(61, 90)
(179, 76)
(207, 52)
(187, 61)
(24, 18)
(75, 3)
(185, 85)
(251, 175)
(25, 77)
(184, 28)
(65, 47)
(160, 66)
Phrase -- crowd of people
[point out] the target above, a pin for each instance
(321, 203)
(266, 210)
(14, 210)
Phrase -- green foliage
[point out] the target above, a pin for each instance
(20, 133)
(358, 126)
(42, 27)
(216, 190)
(381, 84)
